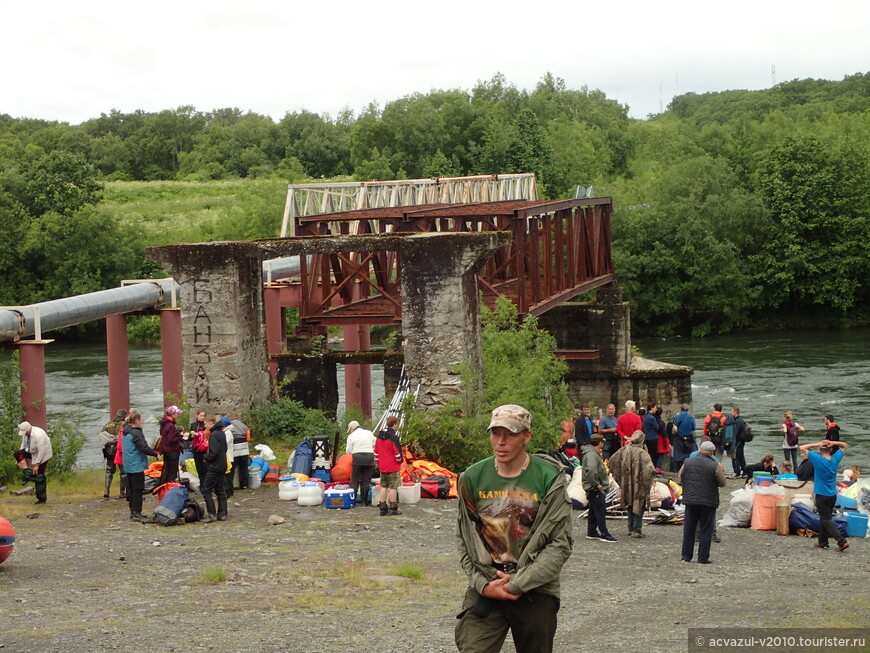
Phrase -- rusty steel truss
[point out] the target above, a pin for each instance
(558, 250)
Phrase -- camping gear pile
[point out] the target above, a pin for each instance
(311, 482)
(665, 507)
(787, 506)
(175, 505)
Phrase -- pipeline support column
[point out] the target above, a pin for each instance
(31, 358)
(118, 355)
(170, 352)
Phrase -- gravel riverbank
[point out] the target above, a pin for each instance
(85, 578)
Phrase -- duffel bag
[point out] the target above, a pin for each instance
(435, 487)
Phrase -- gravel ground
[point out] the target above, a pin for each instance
(85, 578)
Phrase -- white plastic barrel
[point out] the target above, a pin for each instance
(288, 490)
(310, 494)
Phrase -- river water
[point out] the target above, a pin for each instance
(810, 373)
(76, 383)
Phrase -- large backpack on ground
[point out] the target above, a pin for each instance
(303, 458)
(171, 506)
(435, 487)
(803, 518)
(193, 511)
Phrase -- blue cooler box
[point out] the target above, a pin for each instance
(338, 499)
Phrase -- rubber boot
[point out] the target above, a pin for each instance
(208, 519)
(139, 517)
(382, 508)
(123, 494)
(394, 509)
(39, 482)
(222, 516)
(108, 485)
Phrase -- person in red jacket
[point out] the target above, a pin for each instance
(388, 451)
(628, 422)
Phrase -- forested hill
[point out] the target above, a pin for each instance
(733, 209)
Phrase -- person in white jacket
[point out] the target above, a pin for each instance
(361, 447)
(241, 451)
(33, 457)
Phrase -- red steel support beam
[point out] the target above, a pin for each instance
(118, 354)
(276, 334)
(31, 358)
(170, 350)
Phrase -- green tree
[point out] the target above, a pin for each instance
(59, 182)
(819, 199)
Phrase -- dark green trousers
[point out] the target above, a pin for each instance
(531, 620)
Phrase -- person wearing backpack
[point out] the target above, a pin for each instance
(714, 424)
(790, 430)
(109, 442)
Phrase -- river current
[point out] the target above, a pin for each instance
(810, 373)
(76, 383)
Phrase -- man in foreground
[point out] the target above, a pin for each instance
(701, 477)
(514, 536)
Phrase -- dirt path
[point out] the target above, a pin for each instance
(85, 578)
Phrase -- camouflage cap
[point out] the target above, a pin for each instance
(515, 419)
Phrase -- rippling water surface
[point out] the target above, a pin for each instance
(810, 373)
(77, 383)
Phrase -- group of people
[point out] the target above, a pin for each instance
(514, 520)
(218, 447)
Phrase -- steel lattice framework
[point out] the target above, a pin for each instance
(314, 199)
(558, 250)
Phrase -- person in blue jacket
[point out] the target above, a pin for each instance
(683, 441)
(825, 464)
(136, 452)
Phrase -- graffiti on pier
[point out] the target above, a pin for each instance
(202, 342)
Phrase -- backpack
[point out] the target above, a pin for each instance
(714, 430)
(171, 506)
(791, 434)
(728, 439)
(193, 511)
(435, 487)
(746, 434)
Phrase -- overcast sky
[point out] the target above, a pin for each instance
(71, 61)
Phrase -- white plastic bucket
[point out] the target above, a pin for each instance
(409, 493)
(254, 478)
(288, 490)
(310, 494)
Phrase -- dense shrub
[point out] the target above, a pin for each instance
(285, 421)
(519, 367)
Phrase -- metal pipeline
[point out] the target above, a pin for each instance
(36, 319)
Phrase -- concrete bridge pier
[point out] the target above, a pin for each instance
(223, 338)
(441, 309)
